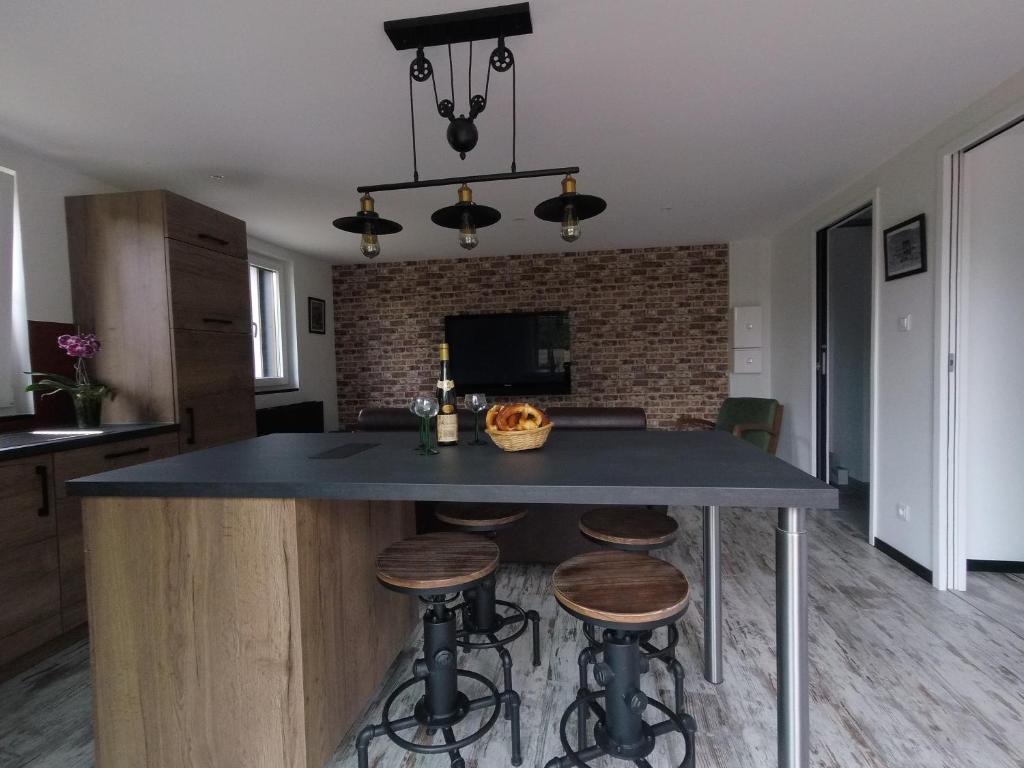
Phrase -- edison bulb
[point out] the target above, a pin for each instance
(369, 245)
(467, 233)
(570, 224)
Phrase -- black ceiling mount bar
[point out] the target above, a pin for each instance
(460, 27)
(452, 180)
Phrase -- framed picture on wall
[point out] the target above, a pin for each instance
(317, 315)
(905, 249)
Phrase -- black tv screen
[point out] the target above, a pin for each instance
(525, 353)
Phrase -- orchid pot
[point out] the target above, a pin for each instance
(87, 396)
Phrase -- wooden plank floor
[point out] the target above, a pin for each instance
(902, 676)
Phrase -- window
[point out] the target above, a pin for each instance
(273, 323)
(13, 316)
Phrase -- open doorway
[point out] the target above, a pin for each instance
(844, 288)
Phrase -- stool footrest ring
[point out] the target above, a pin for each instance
(520, 617)
(389, 727)
(674, 723)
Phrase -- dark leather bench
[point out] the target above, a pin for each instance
(402, 420)
(550, 532)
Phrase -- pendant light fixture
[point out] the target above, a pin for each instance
(370, 225)
(466, 216)
(452, 29)
(569, 209)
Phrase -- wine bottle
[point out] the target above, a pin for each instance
(447, 419)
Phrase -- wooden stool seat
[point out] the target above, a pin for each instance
(621, 590)
(480, 517)
(629, 528)
(437, 563)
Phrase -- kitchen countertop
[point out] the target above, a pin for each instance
(16, 445)
(612, 467)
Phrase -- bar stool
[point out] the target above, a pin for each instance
(636, 529)
(434, 566)
(626, 594)
(479, 607)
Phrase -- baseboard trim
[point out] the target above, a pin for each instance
(912, 565)
(996, 566)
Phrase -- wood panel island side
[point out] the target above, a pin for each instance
(234, 614)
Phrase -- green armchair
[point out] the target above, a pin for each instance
(754, 419)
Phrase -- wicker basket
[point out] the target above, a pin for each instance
(520, 440)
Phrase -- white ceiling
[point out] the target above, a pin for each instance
(698, 121)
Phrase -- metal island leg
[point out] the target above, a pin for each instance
(712, 595)
(791, 637)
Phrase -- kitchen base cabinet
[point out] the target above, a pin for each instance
(81, 462)
(29, 565)
(42, 555)
(30, 598)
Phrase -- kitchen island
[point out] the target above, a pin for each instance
(234, 614)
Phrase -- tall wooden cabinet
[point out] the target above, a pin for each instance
(163, 281)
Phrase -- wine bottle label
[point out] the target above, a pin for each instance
(448, 408)
(447, 428)
(445, 385)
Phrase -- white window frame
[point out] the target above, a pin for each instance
(286, 290)
(14, 353)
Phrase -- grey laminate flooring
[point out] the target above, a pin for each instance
(902, 676)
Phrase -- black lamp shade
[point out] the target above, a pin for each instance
(587, 206)
(357, 223)
(451, 215)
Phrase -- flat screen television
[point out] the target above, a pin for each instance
(522, 353)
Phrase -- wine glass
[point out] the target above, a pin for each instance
(426, 408)
(477, 403)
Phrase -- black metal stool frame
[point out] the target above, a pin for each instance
(443, 705)
(620, 730)
(479, 611)
(480, 617)
(666, 655)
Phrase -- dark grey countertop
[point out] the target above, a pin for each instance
(16, 445)
(701, 468)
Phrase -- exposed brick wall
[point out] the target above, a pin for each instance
(649, 326)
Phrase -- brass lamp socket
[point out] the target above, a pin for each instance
(568, 185)
(465, 194)
(366, 204)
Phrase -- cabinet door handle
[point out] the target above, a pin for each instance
(44, 484)
(213, 238)
(129, 452)
(191, 414)
(218, 321)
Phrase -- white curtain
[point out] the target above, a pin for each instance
(14, 359)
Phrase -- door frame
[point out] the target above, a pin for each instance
(819, 330)
(950, 544)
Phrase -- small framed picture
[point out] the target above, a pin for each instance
(317, 316)
(905, 252)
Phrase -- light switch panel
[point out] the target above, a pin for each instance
(746, 361)
(904, 323)
(746, 327)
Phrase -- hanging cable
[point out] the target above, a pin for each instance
(469, 78)
(451, 74)
(412, 117)
(513, 118)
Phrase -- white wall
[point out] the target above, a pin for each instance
(906, 185)
(849, 348)
(42, 187)
(750, 264)
(317, 376)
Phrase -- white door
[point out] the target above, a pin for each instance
(992, 421)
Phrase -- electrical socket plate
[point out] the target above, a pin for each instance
(903, 511)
